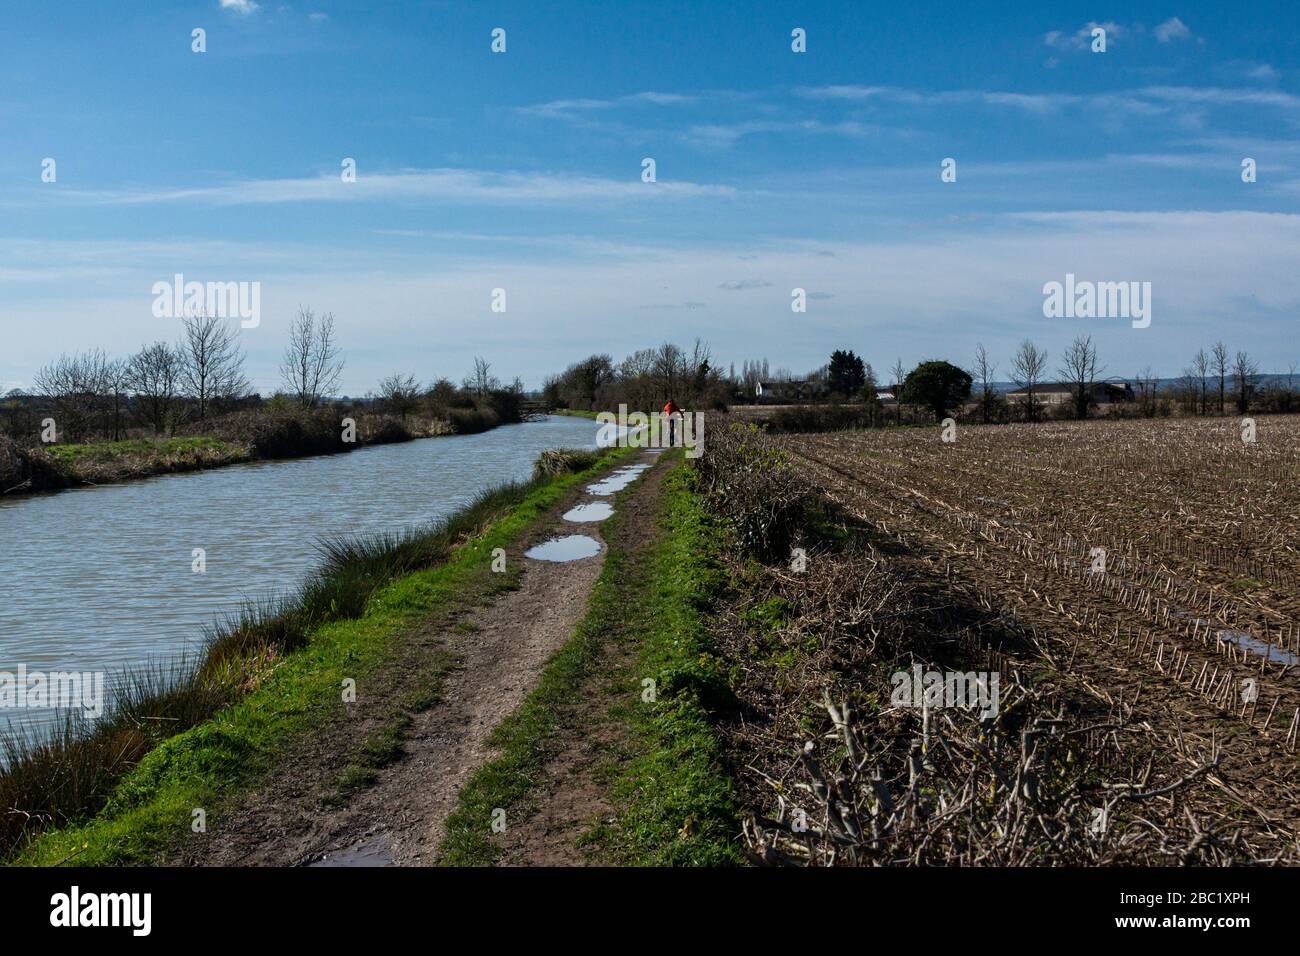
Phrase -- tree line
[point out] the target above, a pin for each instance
(1215, 381)
(166, 384)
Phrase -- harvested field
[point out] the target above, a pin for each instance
(1137, 586)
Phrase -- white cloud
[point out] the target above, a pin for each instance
(1172, 29)
(1206, 268)
(1081, 39)
(1221, 96)
(241, 7)
(571, 108)
(444, 185)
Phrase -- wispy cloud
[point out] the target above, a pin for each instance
(443, 185)
(241, 7)
(727, 134)
(1143, 100)
(1221, 96)
(1081, 39)
(574, 108)
(1172, 29)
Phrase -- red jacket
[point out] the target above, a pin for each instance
(670, 408)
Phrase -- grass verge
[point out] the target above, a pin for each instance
(674, 800)
(269, 675)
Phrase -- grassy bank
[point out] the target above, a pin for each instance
(138, 457)
(114, 793)
(250, 435)
(646, 620)
(575, 413)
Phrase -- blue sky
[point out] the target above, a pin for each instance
(775, 170)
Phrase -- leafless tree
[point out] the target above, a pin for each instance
(211, 362)
(1027, 368)
(985, 369)
(312, 365)
(1219, 364)
(1079, 370)
(751, 374)
(669, 365)
(699, 367)
(153, 376)
(481, 381)
(898, 373)
(1146, 382)
(115, 386)
(76, 386)
(401, 394)
(1245, 373)
(1198, 373)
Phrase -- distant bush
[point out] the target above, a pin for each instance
(291, 433)
(471, 421)
(381, 430)
(560, 461)
(281, 433)
(819, 418)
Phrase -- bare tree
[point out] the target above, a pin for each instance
(153, 375)
(211, 362)
(751, 374)
(1219, 364)
(984, 370)
(1198, 374)
(699, 367)
(898, 372)
(400, 394)
(312, 365)
(669, 365)
(1079, 370)
(1027, 368)
(481, 381)
(75, 385)
(1245, 373)
(1147, 381)
(870, 396)
(115, 384)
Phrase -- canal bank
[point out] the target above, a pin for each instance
(116, 577)
(336, 673)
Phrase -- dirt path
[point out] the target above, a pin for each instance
(501, 649)
(572, 797)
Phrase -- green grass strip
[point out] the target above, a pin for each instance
(675, 799)
(676, 804)
(148, 448)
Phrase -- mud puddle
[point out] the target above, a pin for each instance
(589, 511)
(572, 547)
